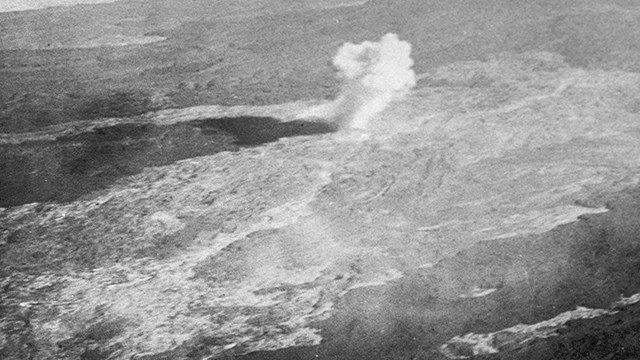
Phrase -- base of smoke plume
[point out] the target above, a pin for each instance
(373, 75)
(354, 107)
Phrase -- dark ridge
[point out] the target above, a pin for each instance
(251, 131)
(117, 104)
(73, 166)
(28, 112)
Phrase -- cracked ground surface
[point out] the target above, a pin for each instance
(291, 242)
(491, 214)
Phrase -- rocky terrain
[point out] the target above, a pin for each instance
(492, 213)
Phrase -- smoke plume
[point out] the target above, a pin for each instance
(373, 74)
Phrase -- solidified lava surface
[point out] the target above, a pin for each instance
(72, 166)
(502, 191)
(497, 196)
(590, 262)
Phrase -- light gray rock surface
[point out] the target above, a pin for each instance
(244, 251)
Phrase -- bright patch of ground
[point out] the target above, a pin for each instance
(22, 5)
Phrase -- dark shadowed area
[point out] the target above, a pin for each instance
(73, 166)
(253, 131)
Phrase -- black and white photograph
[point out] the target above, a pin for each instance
(319, 179)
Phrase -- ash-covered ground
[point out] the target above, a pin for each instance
(186, 180)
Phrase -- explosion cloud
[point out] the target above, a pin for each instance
(373, 74)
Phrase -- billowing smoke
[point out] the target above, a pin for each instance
(373, 75)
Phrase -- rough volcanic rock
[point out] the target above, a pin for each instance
(250, 250)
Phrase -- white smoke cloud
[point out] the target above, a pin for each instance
(373, 75)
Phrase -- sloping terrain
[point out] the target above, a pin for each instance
(492, 213)
(260, 248)
(129, 57)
